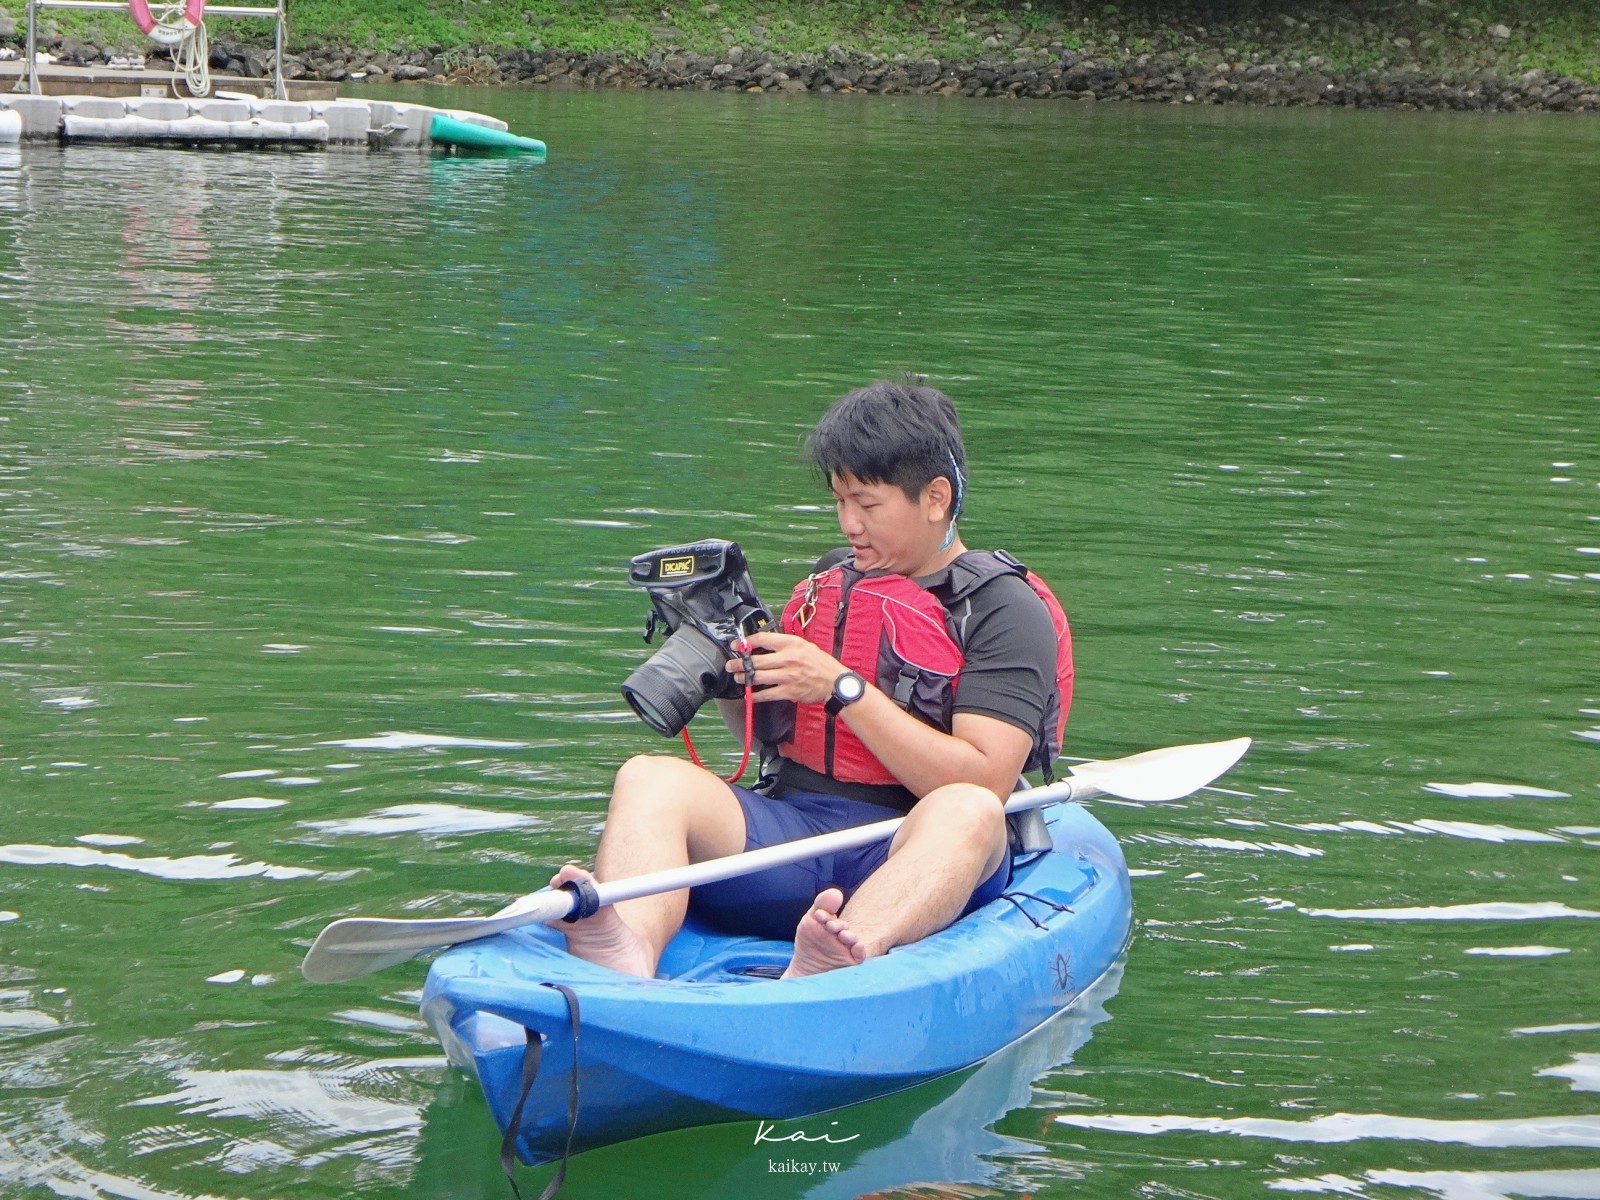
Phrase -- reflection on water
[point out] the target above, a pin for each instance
(1496, 910)
(1583, 1070)
(301, 1106)
(1494, 791)
(1517, 951)
(940, 1137)
(424, 818)
(193, 866)
(1459, 1185)
(422, 741)
(1547, 1132)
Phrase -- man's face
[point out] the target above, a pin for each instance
(887, 531)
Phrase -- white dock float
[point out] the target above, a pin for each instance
(226, 118)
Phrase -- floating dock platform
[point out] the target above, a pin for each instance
(52, 102)
(64, 79)
(234, 118)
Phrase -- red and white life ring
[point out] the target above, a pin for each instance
(167, 32)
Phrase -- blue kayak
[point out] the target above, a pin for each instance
(714, 1037)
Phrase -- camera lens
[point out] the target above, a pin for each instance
(663, 723)
(667, 689)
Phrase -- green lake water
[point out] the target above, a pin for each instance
(319, 473)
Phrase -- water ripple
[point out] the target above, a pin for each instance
(195, 866)
(424, 741)
(1542, 1132)
(1494, 791)
(1575, 1184)
(1583, 1070)
(1493, 910)
(425, 818)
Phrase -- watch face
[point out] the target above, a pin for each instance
(849, 687)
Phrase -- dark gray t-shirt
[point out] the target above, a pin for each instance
(1009, 641)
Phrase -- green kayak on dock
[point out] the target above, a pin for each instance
(447, 131)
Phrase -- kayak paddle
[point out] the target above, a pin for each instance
(356, 946)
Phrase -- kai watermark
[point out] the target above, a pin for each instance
(767, 1132)
(793, 1166)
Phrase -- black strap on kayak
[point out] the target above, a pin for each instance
(530, 1071)
(1015, 900)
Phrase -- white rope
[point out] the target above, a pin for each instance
(193, 58)
(191, 48)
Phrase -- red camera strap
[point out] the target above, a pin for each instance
(749, 720)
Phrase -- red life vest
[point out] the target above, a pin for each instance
(900, 636)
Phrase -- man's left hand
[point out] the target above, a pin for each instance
(789, 668)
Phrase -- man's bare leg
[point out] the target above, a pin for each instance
(952, 841)
(664, 813)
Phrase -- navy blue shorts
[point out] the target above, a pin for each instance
(771, 903)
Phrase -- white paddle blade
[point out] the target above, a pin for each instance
(357, 946)
(1166, 774)
(339, 967)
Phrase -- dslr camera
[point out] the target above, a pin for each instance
(703, 595)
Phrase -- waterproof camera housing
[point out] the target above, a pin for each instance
(703, 595)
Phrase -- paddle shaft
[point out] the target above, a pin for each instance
(752, 861)
(1155, 775)
(357, 946)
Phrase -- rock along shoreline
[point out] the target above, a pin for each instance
(1160, 78)
(1272, 71)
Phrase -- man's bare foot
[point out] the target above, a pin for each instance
(822, 941)
(605, 938)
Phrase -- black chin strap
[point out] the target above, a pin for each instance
(530, 1071)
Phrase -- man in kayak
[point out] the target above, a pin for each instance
(881, 728)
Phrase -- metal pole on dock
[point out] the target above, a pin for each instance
(29, 82)
(33, 51)
(279, 92)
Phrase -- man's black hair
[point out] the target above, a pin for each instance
(902, 434)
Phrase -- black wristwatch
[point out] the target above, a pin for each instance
(847, 689)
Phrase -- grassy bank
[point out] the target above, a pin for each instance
(1546, 35)
(1434, 37)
